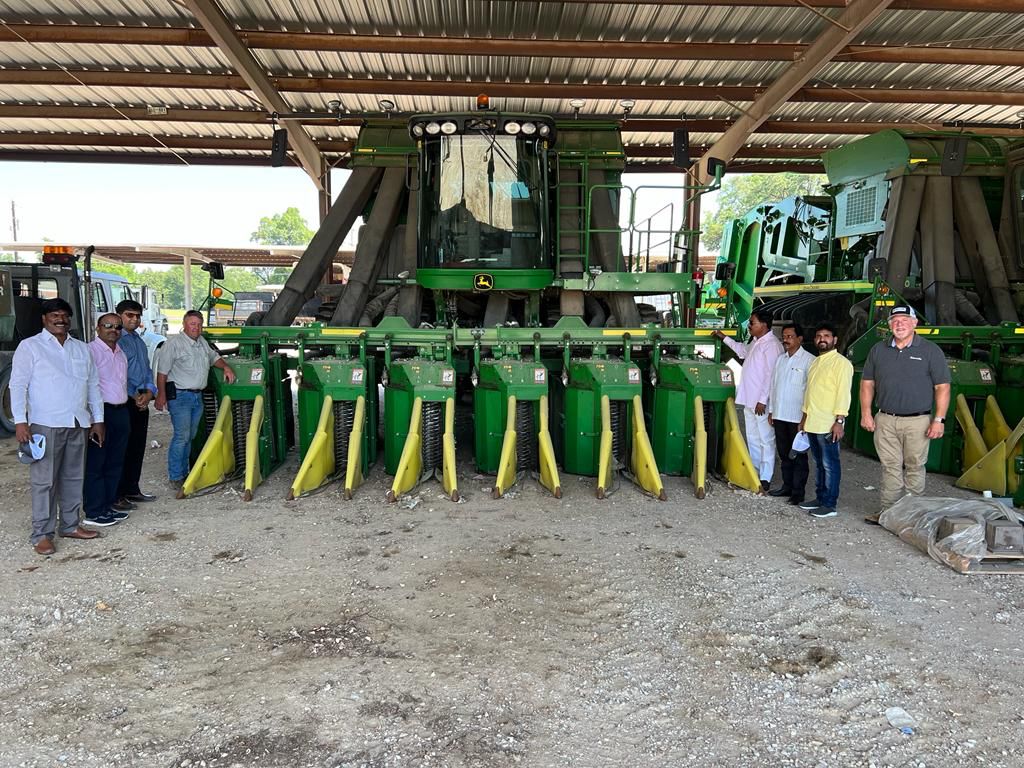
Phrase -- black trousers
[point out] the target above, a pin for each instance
(795, 470)
(138, 437)
(103, 463)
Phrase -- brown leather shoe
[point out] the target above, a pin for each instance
(81, 533)
(44, 546)
(122, 505)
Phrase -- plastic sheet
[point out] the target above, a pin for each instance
(916, 520)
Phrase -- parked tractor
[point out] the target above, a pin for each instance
(490, 302)
(931, 219)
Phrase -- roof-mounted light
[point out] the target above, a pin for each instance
(448, 128)
(512, 127)
(529, 129)
(433, 128)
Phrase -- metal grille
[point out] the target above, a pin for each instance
(618, 419)
(433, 434)
(241, 415)
(344, 420)
(210, 405)
(526, 436)
(860, 206)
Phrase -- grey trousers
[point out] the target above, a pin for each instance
(56, 480)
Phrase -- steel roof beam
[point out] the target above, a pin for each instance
(142, 140)
(78, 113)
(469, 46)
(220, 29)
(337, 85)
(837, 33)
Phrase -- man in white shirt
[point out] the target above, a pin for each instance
(759, 356)
(55, 393)
(785, 410)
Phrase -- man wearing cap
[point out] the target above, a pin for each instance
(184, 361)
(55, 393)
(906, 377)
(105, 459)
(759, 356)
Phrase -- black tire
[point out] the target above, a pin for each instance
(6, 417)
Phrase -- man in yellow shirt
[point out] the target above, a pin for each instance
(826, 406)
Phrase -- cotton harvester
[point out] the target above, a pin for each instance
(489, 270)
(933, 219)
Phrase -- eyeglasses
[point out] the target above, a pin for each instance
(108, 326)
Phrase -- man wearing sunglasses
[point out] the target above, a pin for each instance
(141, 390)
(105, 457)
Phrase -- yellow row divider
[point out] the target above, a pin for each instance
(410, 465)
(700, 449)
(993, 425)
(253, 473)
(642, 462)
(739, 469)
(974, 444)
(506, 476)
(546, 453)
(604, 456)
(318, 463)
(354, 465)
(216, 461)
(449, 478)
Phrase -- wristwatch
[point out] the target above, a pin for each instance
(940, 419)
(840, 420)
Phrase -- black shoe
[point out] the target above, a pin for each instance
(100, 521)
(824, 512)
(796, 500)
(122, 505)
(140, 497)
(765, 485)
(119, 516)
(809, 505)
(783, 491)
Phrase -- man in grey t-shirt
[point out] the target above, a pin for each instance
(905, 375)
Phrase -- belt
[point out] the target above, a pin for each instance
(906, 415)
(116, 405)
(183, 389)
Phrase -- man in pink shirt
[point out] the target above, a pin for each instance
(105, 458)
(759, 356)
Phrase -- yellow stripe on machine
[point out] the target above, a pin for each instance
(216, 462)
(621, 331)
(318, 463)
(700, 449)
(410, 465)
(604, 454)
(342, 331)
(253, 473)
(642, 462)
(354, 464)
(770, 290)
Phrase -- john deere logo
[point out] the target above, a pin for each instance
(483, 282)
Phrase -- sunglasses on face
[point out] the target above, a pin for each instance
(108, 326)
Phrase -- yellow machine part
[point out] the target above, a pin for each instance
(354, 460)
(216, 461)
(739, 469)
(318, 463)
(700, 449)
(974, 443)
(988, 473)
(994, 471)
(546, 453)
(253, 475)
(642, 463)
(993, 425)
(410, 465)
(604, 456)
(449, 478)
(507, 462)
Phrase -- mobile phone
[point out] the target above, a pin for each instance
(94, 439)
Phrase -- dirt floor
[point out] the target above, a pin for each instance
(734, 631)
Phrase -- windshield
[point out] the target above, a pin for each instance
(483, 204)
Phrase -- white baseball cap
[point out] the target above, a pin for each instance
(33, 450)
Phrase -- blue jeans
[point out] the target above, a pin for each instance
(826, 459)
(186, 414)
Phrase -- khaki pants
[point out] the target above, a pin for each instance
(902, 447)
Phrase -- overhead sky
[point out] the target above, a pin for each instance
(185, 205)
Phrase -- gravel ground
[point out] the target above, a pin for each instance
(734, 631)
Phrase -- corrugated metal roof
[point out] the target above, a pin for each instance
(685, 24)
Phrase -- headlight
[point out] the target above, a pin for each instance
(433, 128)
(512, 128)
(529, 129)
(417, 130)
(544, 129)
(448, 128)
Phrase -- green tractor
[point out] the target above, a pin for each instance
(935, 220)
(489, 286)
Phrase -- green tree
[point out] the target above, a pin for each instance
(288, 228)
(742, 193)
